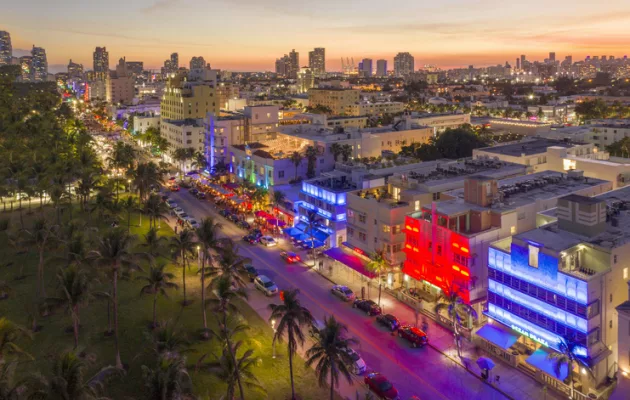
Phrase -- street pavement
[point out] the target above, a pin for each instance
(422, 372)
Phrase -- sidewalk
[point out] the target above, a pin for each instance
(512, 383)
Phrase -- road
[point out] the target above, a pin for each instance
(421, 372)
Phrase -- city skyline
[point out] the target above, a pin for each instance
(254, 43)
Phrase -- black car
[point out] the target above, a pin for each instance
(193, 191)
(201, 195)
(224, 213)
(388, 321)
(251, 239)
(243, 224)
(251, 272)
(256, 232)
(368, 306)
(233, 217)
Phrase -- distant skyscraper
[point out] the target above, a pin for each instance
(518, 63)
(381, 67)
(294, 64)
(175, 61)
(305, 80)
(523, 59)
(317, 61)
(366, 67)
(135, 67)
(283, 65)
(6, 50)
(197, 63)
(75, 70)
(26, 65)
(101, 60)
(552, 56)
(403, 64)
(40, 64)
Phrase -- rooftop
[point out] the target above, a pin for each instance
(336, 182)
(185, 122)
(529, 147)
(522, 190)
(276, 149)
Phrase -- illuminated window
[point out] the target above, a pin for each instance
(417, 205)
(513, 230)
(625, 273)
(533, 256)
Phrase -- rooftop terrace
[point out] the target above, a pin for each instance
(529, 147)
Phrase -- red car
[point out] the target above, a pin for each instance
(174, 188)
(381, 386)
(414, 335)
(290, 257)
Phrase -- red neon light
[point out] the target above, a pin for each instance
(408, 227)
(455, 267)
(465, 273)
(456, 245)
(358, 250)
(408, 246)
(416, 230)
(465, 250)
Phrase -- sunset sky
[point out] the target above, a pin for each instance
(248, 35)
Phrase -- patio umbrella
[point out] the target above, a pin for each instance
(485, 363)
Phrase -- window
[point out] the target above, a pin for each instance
(610, 324)
(533, 256)
(362, 236)
(439, 250)
(362, 218)
(436, 196)
(625, 272)
(416, 206)
(375, 223)
(375, 240)
(386, 228)
(280, 174)
(512, 230)
(611, 297)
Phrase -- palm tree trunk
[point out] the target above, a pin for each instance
(332, 386)
(203, 294)
(75, 324)
(291, 366)
(229, 344)
(155, 309)
(40, 271)
(380, 283)
(115, 300)
(128, 221)
(109, 320)
(184, 276)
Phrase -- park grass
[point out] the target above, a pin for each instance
(135, 313)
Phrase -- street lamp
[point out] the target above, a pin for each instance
(199, 255)
(273, 343)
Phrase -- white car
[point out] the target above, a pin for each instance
(183, 216)
(178, 210)
(265, 285)
(171, 203)
(357, 361)
(268, 241)
(193, 223)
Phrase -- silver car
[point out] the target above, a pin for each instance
(343, 292)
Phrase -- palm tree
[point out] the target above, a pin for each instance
(156, 209)
(312, 219)
(183, 245)
(114, 252)
(335, 149)
(68, 380)
(199, 161)
(167, 341)
(377, 265)
(296, 159)
(10, 389)
(292, 317)
(87, 183)
(153, 241)
(231, 263)
(130, 204)
(42, 236)
(456, 309)
(567, 356)
(169, 380)
(278, 198)
(74, 293)
(226, 369)
(10, 334)
(208, 237)
(158, 282)
(346, 152)
(330, 354)
(311, 160)
(144, 176)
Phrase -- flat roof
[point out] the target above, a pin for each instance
(530, 147)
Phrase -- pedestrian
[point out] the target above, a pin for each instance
(497, 378)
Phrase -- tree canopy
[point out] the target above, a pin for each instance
(452, 143)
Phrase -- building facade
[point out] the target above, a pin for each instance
(403, 64)
(338, 100)
(317, 61)
(100, 59)
(6, 49)
(39, 71)
(381, 68)
(184, 99)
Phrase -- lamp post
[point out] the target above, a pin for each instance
(273, 344)
(199, 255)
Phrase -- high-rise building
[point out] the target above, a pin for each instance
(188, 99)
(135, 67)
(6, 50)
(366, 67)
(305, 80)
(523, 59)
(552, 56)
(381, 67)
(120, 85)
(294, 64)
(40, 64)
(283, 65)
(317, 61)
(197, 63)
(75, 70)
(101, 60)
(403, 64)
(26, 66)
(174, 61)
(518, 63)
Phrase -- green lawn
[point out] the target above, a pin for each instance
(134, 316)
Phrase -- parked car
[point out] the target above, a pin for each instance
(174, 188)
(316, 327)
(388, 321)
(268, 241)
(192, 223)
(171, 203)
(251, 272)
(224, 213)
(413, 335)
(290, 257)
(381, 386)
(256, 232)
(243, 224)
(358, 363)
(368, 306)
(233, 217)
(200, 195)
(193, 172)
(265, 285)
(193, 191)
(251, 239)
(218, 199)
(343, 292)
(178, 210)
(183, 216)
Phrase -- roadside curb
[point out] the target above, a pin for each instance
(436, 349)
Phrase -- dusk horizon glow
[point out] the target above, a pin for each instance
(246, 35)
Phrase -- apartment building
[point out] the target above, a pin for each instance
(186, 133)
(186, 99)
(338, 100)
(447, 241)
(261, 122)
(221, 133)
(143, 122)
(375, 108)
(439, 122)
(566, 279)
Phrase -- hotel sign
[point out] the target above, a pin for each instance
(530, 335)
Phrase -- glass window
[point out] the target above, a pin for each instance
(533, 256)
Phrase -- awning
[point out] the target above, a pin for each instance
(231, 186)
(262, 214)
(540, 361)
(276, 222)
(317, 234)
(302, 226)
(497, 336)
(350, 260)
(312, 244)
(292, 231)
